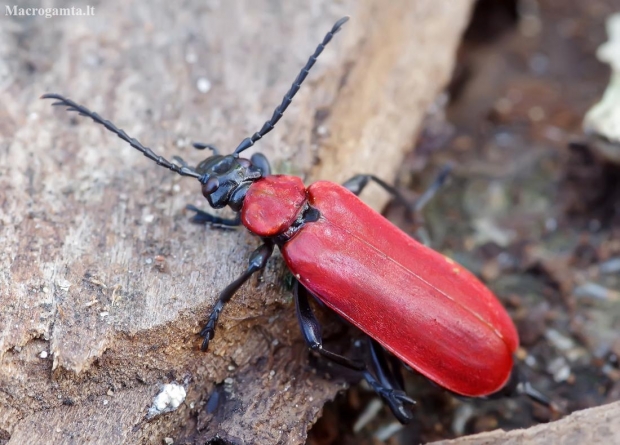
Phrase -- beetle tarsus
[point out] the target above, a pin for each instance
(388, 382)
(257, 261)
(202, 217)
(202, 146)
(397, 399)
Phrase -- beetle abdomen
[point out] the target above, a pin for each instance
(424, 308)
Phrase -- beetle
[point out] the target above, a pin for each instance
(417, 307)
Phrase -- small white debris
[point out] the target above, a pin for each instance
(384, 433)
(191, 57)
(560, 369)
(43, 354)
(462, 415)
(231, 368)
(322, 130)
(596, 291)
(551, 224)
(105, 402)
(558, 340)
(169, 399)
(148, 218)
(610, 266)
(369, 413)
(63, 284)
(104, 314)
(228, 381)
(530, 361)
(203, 85)
(168, 440)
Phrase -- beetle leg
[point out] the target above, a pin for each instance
(388, 384)
(311, 330)
(258, 260)
(358, 182)
(260, 161)
(202, 146)
(202, 217)
(519, 385)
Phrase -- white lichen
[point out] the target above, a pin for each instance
(169, 399)
(603, 119)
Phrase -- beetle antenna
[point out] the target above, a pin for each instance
(183, 170)
(288, 97)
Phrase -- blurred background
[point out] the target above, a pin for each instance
(533, 208)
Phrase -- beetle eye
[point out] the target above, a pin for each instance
(210, 186)
(222, 167)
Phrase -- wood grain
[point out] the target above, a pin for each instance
(104, 282)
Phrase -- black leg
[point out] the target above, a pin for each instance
(358, 182)
(519, 385)
(388, 383)
(257, 261)
(182, 170)
(432, 189)
(202, 146)
(311, 330)
(260, 161)
(288, 97)
(202, 217)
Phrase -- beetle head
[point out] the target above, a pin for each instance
(224, 178)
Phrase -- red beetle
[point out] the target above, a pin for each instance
(411, 301)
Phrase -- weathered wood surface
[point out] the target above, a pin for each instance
(101, 270)
(590, 426)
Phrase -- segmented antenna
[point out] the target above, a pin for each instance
(288, 97)
(182, 170)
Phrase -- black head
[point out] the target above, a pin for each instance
(225, 179)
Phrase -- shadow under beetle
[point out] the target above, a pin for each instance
(417, 306)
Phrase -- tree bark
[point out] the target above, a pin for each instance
(592, 426)
(105, 283)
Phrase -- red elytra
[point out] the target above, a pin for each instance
(423, 307)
